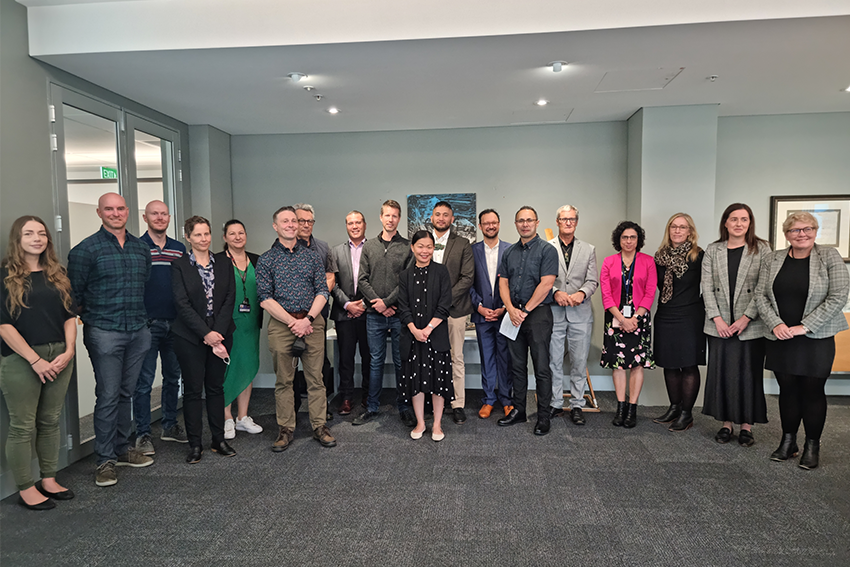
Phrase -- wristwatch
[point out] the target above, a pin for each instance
(310, 318)
(432, 326)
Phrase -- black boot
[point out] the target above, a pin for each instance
(673, 413)
(811, 452)
(787, 448)
(683, 422)
(620, 415)
(631, 416)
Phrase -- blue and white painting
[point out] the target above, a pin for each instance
(420, 207)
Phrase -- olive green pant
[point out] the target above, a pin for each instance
(33, 407)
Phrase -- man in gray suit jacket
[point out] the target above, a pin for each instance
(349, 310)
(571, 312)
(455, 253)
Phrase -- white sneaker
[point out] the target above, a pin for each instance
(229, 429)
(247, 424)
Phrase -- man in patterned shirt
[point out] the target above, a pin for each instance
(291, 286)
(108, 271)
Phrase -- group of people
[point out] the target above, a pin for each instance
(201, 313)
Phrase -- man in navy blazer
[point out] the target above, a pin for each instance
(487, 314)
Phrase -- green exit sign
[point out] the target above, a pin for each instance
(108, 173)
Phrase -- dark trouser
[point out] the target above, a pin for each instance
(202, 372)
(802, 398)
(350, 334)
(533, 336)
(162, 345)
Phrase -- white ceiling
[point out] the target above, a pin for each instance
(442, 79)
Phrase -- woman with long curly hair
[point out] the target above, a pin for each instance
(39, 332)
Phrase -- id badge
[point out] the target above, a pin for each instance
(627, 312)
(244, 307)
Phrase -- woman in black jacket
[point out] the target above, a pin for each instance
(204, 294)
(424, 300)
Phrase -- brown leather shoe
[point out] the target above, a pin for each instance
(323, 435)
(284, 439)
(508, 410)
(485, 410)
(345, 408)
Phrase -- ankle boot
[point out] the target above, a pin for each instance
(683, 422)
(787, 448)
(811, 452)
(620, 415)
(631, 416)
(673, 413)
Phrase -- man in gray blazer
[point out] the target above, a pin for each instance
(349, 310)
(455, 253)
(572, 315)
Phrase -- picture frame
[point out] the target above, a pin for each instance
(419, 208)
(832, 212)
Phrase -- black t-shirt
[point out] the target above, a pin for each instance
(733, 262)
(791, 288)
(43, 320)
(686, 290)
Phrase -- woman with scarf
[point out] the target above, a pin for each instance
(679, 339)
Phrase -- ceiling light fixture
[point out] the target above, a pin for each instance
(847, 90)
(309, 88)
(296, 76)
(541, 102)
(557, 66)
(333, 110)
(318, 97)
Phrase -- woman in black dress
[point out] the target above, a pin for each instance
(801, 294)
(424, 300)
(679, 340)
(734, 382)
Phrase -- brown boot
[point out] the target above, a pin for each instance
(284, 439)
(323, 435)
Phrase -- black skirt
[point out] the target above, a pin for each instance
(734, 382)
(679, 339)
(801, 356)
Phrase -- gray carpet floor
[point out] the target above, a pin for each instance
(485, 496)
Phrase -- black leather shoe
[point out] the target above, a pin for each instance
(620, 415)
(408, 418)
(577, 416)
(723, 436)
(513, 418)
(787, 448)
(672, 414)
(64, 495)
(631, 416)
(811, 454)
(542, 426)
(746, 439)
(459, 416)
(682, 423)
(223, 449)
(556, 412)
(364, 417)
(194, 455)
(46, 505)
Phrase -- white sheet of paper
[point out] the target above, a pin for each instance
(507, 328)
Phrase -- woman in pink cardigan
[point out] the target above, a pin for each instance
(628, 281)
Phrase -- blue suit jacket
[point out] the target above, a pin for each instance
(480, 291)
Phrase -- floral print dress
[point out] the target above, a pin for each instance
(621, 350)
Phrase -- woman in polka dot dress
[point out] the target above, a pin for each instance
(424, 299)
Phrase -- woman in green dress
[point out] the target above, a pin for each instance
(248, 316)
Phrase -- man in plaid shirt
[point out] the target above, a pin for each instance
(108, 271)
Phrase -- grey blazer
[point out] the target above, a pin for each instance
(829, 284)
(715, 289)
(458, 259)
(343, 291)
(582, 276)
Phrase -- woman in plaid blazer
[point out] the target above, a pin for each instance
(802, 291)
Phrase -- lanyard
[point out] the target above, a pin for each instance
(628, 276)
(243, 275)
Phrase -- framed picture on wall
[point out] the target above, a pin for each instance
(419, 208)
(832, 212)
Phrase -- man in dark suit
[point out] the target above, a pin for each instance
(487, 314)
(349, 310)
(455, 253)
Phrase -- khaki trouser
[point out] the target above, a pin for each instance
(280, 345)
(457, 332)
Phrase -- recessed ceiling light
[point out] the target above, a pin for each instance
(309, 88)
(333, 110)
(541, 102)
(296, 76)
(847, 90)
(557, 66)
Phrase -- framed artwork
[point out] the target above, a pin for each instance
(420, 207)
(832, 212)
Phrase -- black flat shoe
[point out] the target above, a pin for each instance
(746, 439)
(577, 416)
(64, 495)
(672, 414)
(223, 449)
(723, 436)
(542, 427)
(194, 455)
(513, 418)
(46, 505)
(556, 412)
(787, 448)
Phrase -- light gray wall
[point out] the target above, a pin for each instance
(212, 194)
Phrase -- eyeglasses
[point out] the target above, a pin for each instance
(570, 220)
(488, 224)
(679, 227)
(628, 237)
(807, 230)
(305, 221)
(525, 221)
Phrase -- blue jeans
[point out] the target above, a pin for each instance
(162, 343)
(116, 357)
(376, 335)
